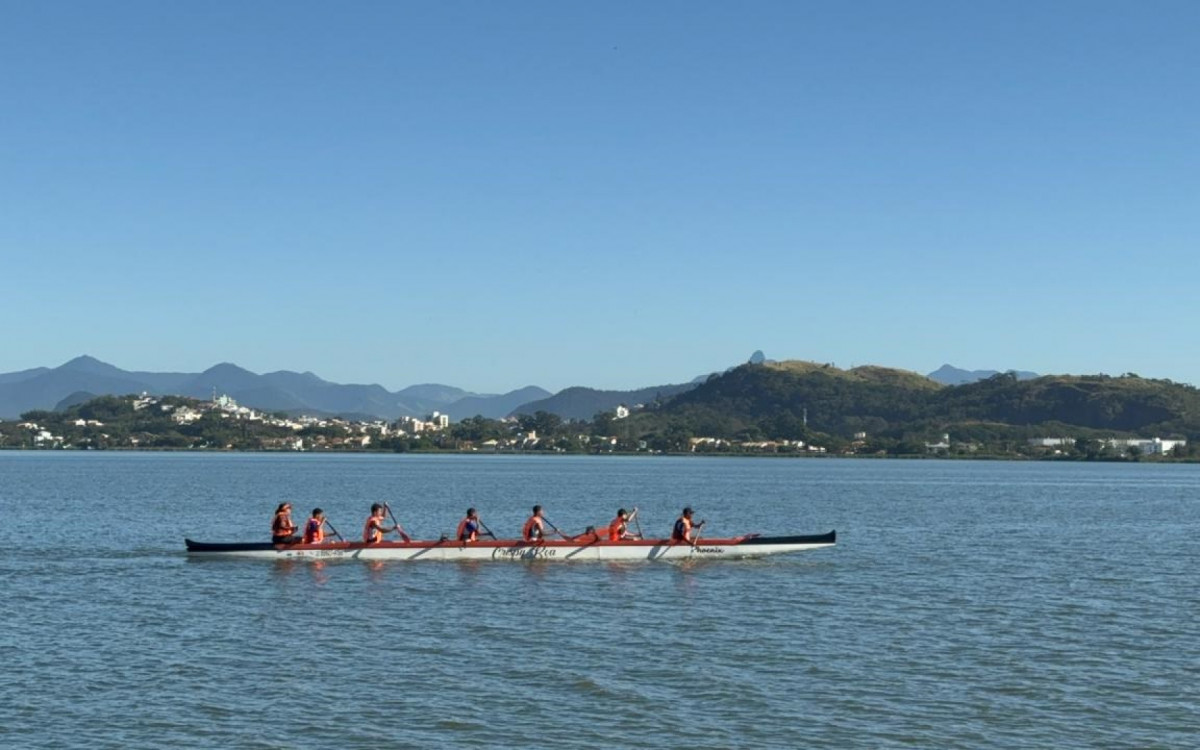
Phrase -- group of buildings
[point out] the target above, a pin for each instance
(1143, 446)
(1058, 445)
(330, 431)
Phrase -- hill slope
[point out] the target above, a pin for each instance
(787, 399)
(1097, 402)
(793, 399)
(585, 403)
(494, 407)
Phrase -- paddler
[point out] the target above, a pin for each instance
(374, 528)
(684, 527)
(534, 529)
(314, 528)
(468, 528)
(283, 531)
(619, 528)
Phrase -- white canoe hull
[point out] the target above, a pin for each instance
(590, 548)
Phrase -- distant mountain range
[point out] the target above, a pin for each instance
(951, 375)
(293, 392)
(585, 403)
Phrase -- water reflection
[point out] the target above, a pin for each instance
(319, 575)
(537, 570)
(287, 568)
(375, 569)
(619, 571)
(284, 568)
(471, 567)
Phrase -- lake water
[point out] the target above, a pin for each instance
(967, 605)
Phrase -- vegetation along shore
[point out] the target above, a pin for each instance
(783, 408)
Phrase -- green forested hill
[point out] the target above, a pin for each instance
(1098, 402)
(774, 400)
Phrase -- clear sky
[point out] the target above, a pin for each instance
(613, 194)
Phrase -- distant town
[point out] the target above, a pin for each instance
(180, 423)
(189, 416)
(172, 422)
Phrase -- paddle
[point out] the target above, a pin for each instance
(556, 531)
(696, 538)
(335, 531)
(638, 523)
(399, 529)
(486, 530)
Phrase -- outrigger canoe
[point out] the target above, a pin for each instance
(584, 547)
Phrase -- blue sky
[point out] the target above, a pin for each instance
(617, 194)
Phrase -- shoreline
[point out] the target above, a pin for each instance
(627, 454)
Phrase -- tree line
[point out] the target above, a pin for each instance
(868, 411)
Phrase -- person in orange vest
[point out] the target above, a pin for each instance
(534, 529)
(314, 528)
(619, 528)
(283, 531)
(468, 528)
(374, 528)
(684, 527)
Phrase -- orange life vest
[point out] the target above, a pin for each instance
(533, 531)
(616, 529)
(314, 531)
(282, 525)
(462, 534)
(371, 531)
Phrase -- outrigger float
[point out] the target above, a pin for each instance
(583, 547)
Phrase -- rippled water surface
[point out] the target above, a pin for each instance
(967, 604)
